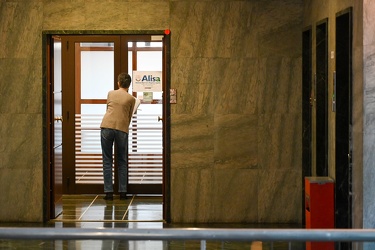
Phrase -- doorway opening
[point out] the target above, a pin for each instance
(321, 96)
(343, 109)
(80, 70)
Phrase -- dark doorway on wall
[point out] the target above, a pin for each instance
(343, 95)
(307, 101)
(321, 82)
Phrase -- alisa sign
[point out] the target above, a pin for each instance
(147, 81)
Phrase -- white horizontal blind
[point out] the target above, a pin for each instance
(88, 160)
(145, 150)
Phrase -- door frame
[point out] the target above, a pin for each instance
(307, 106)
(70, 76)
(47, 119)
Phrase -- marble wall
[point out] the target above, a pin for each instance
(368, 170)
(236, 129)
(366, 188)
(21, 132)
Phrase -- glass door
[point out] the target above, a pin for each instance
(94, 72)
(55, 119)
(90, 68)
(91, 65)
(145, 61)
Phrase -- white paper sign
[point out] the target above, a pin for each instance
(147, 81)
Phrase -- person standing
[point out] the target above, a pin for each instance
(114, 130)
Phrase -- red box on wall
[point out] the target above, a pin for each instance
(319, 208)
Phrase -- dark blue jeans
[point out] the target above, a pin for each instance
(108, 138)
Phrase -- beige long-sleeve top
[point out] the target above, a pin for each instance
(120, 105)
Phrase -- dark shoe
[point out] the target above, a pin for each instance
(108, 197)
(123, 196)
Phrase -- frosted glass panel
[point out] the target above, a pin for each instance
(149, 44)
(89, 45)
(57, 79)
(130, 69)
(57, 65)
(97, 109)
(97, 69)
(130, 62)
(153, 109)
(149, 61)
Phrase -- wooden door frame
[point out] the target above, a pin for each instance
(47, 129)
(47, 102)
(139, 188)
(69, 80)
(49, 195)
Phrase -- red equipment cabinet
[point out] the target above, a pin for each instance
(319, 208)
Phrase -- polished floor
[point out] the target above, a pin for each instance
(92, 211)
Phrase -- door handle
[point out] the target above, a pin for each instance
(160, 118)
(58, 118)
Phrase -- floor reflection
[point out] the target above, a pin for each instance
(95, 208)
(92, 211)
